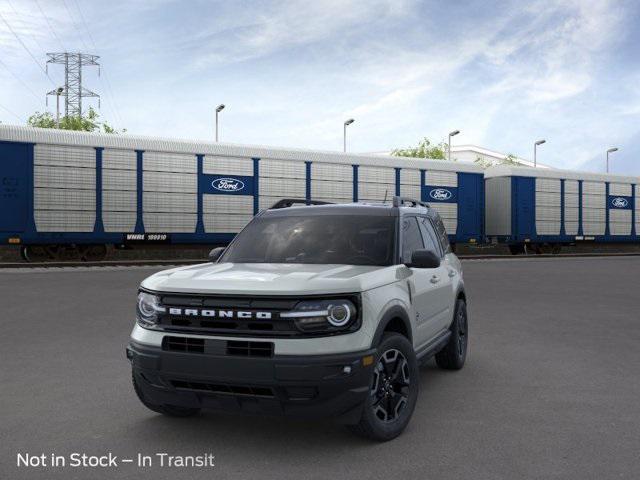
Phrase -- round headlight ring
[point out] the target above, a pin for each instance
(339, 315)
(148, 307)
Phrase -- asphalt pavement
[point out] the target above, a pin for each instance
(551, 388)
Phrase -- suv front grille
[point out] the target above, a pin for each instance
(231, 315)
(250, 349)
(217, 347)
(244, 390)
(183, 344)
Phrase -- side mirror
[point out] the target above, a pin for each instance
(215, 254)
(424, 259)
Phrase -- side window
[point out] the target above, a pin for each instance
(411, 238)
(430, 238)
(442, 234)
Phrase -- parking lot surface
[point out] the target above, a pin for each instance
(551, 388)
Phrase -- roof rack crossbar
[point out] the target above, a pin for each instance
(400, 201)
(290, 202)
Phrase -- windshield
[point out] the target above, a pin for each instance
(342, 239)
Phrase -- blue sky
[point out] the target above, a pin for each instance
(504, 73)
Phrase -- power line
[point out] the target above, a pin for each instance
(12, 113)
(20, 80)
(19, 15)
(26, 48)
(50, 26)
(85, 24)
(73, 22)
(110, 96)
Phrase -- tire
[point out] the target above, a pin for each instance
(454, 354)
(392, 398)
(169, 410)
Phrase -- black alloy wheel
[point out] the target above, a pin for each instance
(390, 387)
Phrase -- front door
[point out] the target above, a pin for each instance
(429, 286)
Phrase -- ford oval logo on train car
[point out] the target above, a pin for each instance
(620, 202)
(440, 194)
(228, 184)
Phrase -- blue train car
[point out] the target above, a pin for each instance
(81, 191)
(543, 209)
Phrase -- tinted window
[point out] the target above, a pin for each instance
(430, 239)
(342, 239)
(411, 238)
(442, 234)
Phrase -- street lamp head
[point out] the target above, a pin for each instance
(60, 90)
(454, 133)
(613, 149)
(349, 122)
(220, 107)
(540, 142)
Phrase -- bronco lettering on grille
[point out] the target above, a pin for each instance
(240, 314)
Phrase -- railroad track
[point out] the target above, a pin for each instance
(180, 262)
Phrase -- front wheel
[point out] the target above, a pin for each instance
(393, 392)
(454, 354)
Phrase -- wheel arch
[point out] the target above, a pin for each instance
(395, 319)
(461, 295)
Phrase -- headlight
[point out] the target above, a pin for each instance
(148, 309)
(323, 315)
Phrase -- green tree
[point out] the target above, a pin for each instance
(425, 149)
(87, 123)
(510, 159)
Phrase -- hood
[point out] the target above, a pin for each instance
(271, 278)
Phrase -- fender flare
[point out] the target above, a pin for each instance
(460, 295)
(396, 311)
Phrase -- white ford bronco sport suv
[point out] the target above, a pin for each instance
(312, 310)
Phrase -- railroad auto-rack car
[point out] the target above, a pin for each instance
(544, 209)
(68, 191)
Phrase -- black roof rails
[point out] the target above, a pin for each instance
(401, 201)
(290, 202)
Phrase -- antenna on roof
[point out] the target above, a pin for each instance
(385, 195)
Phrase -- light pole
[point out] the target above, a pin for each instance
(452, 134)
(344, 135)
(219, 108)
(59, 91)
(535, 152)
(611, 150)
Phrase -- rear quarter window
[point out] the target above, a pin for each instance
(442, 234)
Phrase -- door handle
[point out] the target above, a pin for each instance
(435, 279)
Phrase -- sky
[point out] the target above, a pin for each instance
(504, 73)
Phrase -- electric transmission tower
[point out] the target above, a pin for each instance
(73, 91)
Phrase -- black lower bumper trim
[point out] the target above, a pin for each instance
(299, 386)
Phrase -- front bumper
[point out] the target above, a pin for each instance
(293, 385)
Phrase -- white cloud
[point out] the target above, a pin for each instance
(291, 72)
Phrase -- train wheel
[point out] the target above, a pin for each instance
(556, 248)
(545, 248)
(516, 249)
(93, 253)
(34, 253)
